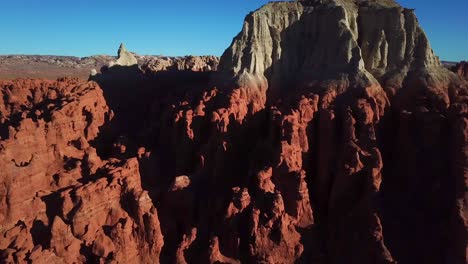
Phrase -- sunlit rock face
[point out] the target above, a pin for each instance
(373, 72)
(329, 134)
(58, 200)
(125, 58)
(354, 46)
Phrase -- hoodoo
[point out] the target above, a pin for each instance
(328, 133)
(334, 45)
(125, 58)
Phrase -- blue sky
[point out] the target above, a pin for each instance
(175, 27)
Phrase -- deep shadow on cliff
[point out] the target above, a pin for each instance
(333, 163)
(415, 144)
(351, 145)
(136, 97)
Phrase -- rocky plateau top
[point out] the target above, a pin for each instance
(328, 132)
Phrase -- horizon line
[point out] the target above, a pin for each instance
(157, 55)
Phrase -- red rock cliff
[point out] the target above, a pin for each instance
(330, 134)
(59, 202)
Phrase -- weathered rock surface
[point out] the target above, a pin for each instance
(124, 57)
(45, 126)
(154, 64)
(58, 200)
(333, 135)
(187, 63)
(339, 45)
(368, 64)
(461, 69)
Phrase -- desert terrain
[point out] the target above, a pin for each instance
(327, 132)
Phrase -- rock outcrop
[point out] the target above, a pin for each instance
(154, 64)
(339, 45)
(187, 63)
(330, 134)
(367, 62)
(125, 58)
(59, 201)
(46, 127)
(461, 69)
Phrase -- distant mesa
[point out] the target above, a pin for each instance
(53, 67)
(329, 133)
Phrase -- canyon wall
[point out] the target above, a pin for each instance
(59, 202)
(329, 133)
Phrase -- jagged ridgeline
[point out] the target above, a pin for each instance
(329, 133)
(332, 44)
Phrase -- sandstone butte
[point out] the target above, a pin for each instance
(330, 133)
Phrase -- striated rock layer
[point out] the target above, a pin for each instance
(59, 202)
(378, 86)
(334, 45)
(330, 134)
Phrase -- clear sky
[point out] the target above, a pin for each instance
(175, 27)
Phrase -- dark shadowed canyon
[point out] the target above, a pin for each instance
(328, 132)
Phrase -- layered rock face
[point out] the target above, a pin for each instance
(187, 63)
(333, 44)
(375, 77)
(229, 188)
(154, 64)
(59, 202)
(329, 134)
